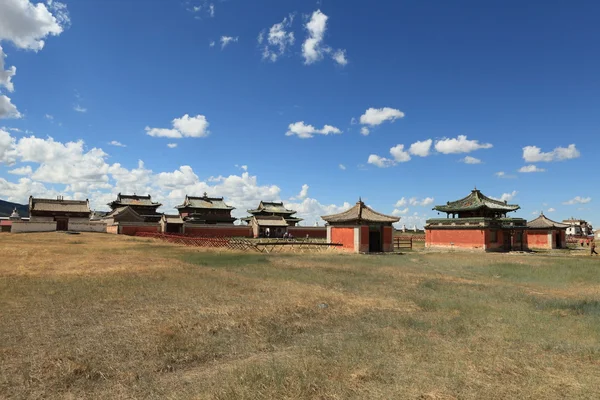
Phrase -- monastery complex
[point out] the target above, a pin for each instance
(475, 222)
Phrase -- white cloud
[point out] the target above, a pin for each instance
(578, 200)
(377, 116)
(311, 210)
(48, 116)
(413, 201)
(304, 131)
(171, 145)
(226, 40)
(500, 174)
(79, 108)
(421, 149)
(342, 167)
(532, 154)
(278, 39)
(303, 193)
(506, 196)
(7, 108)
(470, 160)
(364, 131)
(459, 144)
(551, 209)
(531, 168)
(339, 56)
(21, 171)
(401, 203)
(313, 48)
(27, 25)
(7, 144)
(186, 126)
(117, 143)
(6, 75)
(399, 154)
(398, 212)
(211, 10)
(212, 43)
(380, 162)
(353, 121)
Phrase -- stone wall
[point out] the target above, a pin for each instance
(474, 239)
(313, 232)
(33, 226)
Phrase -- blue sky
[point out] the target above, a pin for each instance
(484, 87)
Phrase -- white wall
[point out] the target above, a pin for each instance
(41, 219)
(20, 226)
(87, 226)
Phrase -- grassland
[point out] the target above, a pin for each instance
(100, 316)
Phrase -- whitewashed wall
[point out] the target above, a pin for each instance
(33, 226)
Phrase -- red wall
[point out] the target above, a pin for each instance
(388, 233)
(132, 229)
(537, 240)
(220, 231)
(313, 232)
(463, 238)
(343, 235)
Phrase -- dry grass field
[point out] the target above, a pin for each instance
(100, 316)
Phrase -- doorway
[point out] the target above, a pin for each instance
(507, 240)
(375, 245)
(557, 240)
(62, 224)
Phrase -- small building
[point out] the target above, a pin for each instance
(142, 205)
(361, 229)
(543, 233)
(476, 222)
(206, 210)
(62, 214)
(273, 209)
(578, 227)
(172, 224)
(271, 226)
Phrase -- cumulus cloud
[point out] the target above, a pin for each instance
(7, 108)
(364, 131)
(171, 145)
(578, 200)
(532, 154)
(304, 131)
(401, 203)
(530, 168)
(314, 48)
(397, 212)
(311, 210)
(459, 144)
(421, 149)
(26, 170)
(399, 154)
(377, 116)
(6, 75)
(506, 196)
(277, 40)
(226, 40)
(26, 25)
(116, 143)
(185, 126)
(413, 201)
(380, 162)
(470, 160)
(303, 193)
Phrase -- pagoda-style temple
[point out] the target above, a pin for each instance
(271, 219)
(476, 222)
(133, 207)
(543, 233)
(205, 210)
(360, 229)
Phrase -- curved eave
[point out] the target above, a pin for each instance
(450, 209)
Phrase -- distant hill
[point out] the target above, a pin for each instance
(6, 208)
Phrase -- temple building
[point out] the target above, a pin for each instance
(476, 222)
(59, 211)
(543, 233)
(205, 210)
(578, 227)
(133, 208)
(361, 229)
(271, 219)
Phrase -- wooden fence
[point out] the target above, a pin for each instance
(264, 246)
(403, 243)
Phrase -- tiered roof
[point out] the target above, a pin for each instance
(59, 205)
(266, 220)
(213, 203)
(360, 213)
(543, 222)
(476, 201)
(133, 200)
(272, 207)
